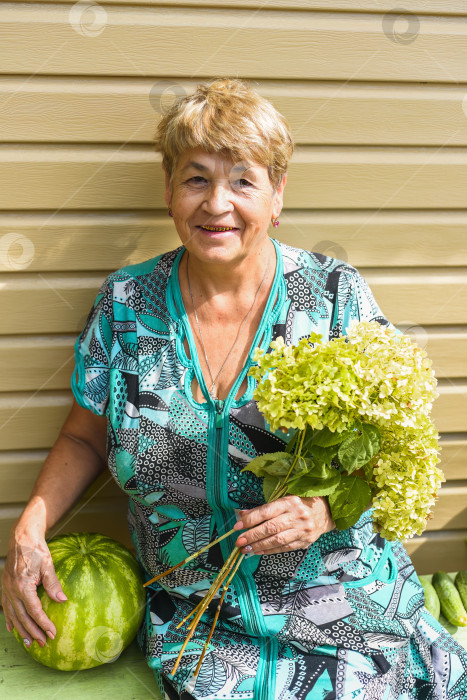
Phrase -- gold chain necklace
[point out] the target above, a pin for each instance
(213, 381)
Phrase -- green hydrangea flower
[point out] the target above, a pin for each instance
(373, 376)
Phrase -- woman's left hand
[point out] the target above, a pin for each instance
(289, 523)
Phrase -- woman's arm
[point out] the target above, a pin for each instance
(77, 457)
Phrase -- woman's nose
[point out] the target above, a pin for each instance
(218, 197)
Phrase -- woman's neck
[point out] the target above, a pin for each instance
(211, 280)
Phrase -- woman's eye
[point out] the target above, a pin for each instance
(196, 177)
(199, 179)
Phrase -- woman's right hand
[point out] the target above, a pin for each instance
(29, 564)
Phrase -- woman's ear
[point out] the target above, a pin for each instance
(278, 197)
(168, 192)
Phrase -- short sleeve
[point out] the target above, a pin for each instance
(361, 304)
(92, 351)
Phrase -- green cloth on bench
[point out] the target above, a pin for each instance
(127, 678)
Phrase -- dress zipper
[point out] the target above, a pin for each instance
(254, 617)
(219, 416)
(218, 476)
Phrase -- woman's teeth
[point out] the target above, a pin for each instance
(218, 228)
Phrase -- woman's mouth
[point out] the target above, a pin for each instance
(217, 229)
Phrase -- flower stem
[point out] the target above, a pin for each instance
(216, 616)
(217, 583)
(205, 602)
(190, 558)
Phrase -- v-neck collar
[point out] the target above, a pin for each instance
(179, 312)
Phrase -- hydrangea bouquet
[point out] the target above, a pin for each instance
(359, 406)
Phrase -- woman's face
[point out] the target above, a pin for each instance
(211, 190)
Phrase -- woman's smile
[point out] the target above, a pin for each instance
(216, 232)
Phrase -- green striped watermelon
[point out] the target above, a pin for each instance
(104, 586)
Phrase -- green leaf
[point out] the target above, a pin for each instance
(357, 450)
(320, 481)
(348, 501)
(323, 455)
(276, 463)
(302, 466)
(374, 437)
(327, 438)
(269, 485)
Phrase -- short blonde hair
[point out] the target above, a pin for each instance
(226, 114)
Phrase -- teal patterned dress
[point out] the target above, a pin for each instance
(343, 618)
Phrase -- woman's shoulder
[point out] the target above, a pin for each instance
(319, 271)
(296, 258)
(158, 266)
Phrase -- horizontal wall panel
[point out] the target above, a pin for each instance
(18, 472)
(450, 510)
(123, 111)
(81, 177)
(449, 409)
(447, 350)
(66, 241)
(107, 517)
(20, 468)
(437, 7)
(420, 296)
(32, 421)
(57, 303)
(60, 303)
(438, 551)
(41, 39)
(453, 457)
(29, 363)
(35, 363)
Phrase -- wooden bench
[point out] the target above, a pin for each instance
(127, 678)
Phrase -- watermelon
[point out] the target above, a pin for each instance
(106, 600)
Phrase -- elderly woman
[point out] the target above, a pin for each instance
(163, 398)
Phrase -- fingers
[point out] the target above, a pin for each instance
(33, 608)
(25, 624)
(6, 612)
(285, 524)
(14, 622)
(250, 518)
(52, 585)
(27, 566)
(271, 533)
(283, 541)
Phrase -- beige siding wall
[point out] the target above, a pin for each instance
(379, 116)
